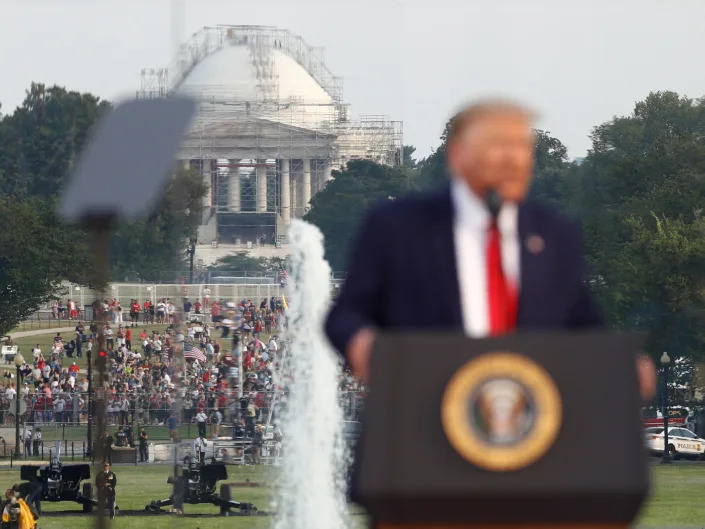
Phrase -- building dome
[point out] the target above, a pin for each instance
(236, 74)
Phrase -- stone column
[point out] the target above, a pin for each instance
(234, 201)
(306, 185)
(186, 164)
(285, 192)
(207, 173)
(295, 194)
(261, 173)
(327, 168)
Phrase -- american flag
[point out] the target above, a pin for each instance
(194, 352)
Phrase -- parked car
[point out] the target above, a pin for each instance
(681, 442)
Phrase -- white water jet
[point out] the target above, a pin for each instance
(312, 484)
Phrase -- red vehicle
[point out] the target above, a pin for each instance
(676, 416)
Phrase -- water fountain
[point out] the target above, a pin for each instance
(311, 488)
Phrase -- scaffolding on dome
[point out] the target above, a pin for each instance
(243, 133)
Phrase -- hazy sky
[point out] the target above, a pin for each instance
(413, 60)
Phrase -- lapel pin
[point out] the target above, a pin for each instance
(535, 244)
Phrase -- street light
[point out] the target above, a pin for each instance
(665, 362)
(191, 253)
(19, 362)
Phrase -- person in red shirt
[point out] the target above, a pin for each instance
(197, 307)
(215, 312)
(73, 368)
(128, 339)
(135, 312)
(143, 335)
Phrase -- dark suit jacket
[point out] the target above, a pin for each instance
(403, 275)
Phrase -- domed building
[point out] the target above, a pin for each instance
(272, 125)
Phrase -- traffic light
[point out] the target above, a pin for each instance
(101, 360)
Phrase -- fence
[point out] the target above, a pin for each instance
(126, 292)
(69, 422)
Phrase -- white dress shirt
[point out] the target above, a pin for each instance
(471, 220)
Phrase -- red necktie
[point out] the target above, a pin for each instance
(501, 296)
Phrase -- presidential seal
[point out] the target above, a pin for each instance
(501, 411)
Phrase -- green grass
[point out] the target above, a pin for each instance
(46, 340)
(676, 499)
(676, 496)
(137, 486)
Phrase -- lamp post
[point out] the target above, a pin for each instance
(665, 362)
(89, 400)
(19, 362)
(191, 252)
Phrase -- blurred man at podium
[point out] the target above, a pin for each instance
(485, 260)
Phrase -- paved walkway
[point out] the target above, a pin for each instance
(24, 334)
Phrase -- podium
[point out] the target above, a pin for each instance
(527, 430)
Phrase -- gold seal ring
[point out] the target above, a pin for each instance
(514, 381)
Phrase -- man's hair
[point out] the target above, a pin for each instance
(474, 111)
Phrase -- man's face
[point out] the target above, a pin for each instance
(495, 151)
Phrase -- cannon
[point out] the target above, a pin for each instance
(197, 484)
(62, 482)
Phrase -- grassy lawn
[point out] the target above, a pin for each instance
(676, 499)
(45, 341)
(676, 496)
(137, 486)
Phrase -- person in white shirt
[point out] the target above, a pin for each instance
(199, 448)
(273, 346)
(201, 419)
(10, 392)
(161, 309)
(27, 436)
(59, 405)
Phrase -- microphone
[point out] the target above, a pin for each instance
(493, 202)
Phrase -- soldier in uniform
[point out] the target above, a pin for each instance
(36, 441)
(105, 482)
(143, 445)
(257, 442)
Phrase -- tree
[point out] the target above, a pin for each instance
(37, 252)
(551, 171)
(152, 248)
(43, 137)
(409, 161)
(243, 262)
(39, 145)
(639, 194)
(340, 207)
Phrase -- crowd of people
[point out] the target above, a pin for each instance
(214, 364)
(146, 378)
